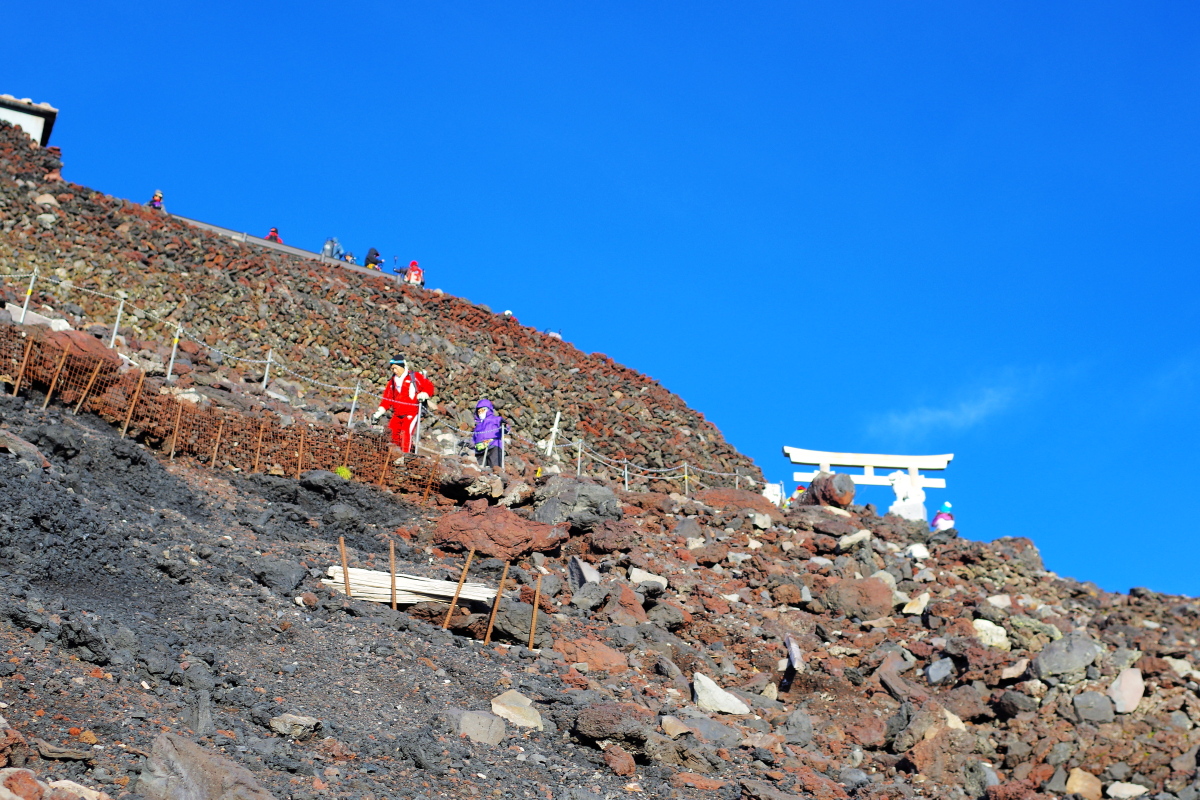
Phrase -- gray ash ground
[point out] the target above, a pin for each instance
(136, 587)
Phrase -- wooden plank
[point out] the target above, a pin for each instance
(799, 455)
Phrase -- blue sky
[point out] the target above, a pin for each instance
(871, 227)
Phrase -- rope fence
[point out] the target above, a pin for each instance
(85, 380)
(231, 439)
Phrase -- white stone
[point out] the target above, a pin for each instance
(753, 544)
(294, 725)
(849, 541)
(517, 709)
(924, 576)
(820, 561)
(1127, 690)
(886, 577)
(73, 788)
(46, 200)
(917, 605)
(760, 521)
(1000, 601)
(787, 546)
(637, 575)
(991, 634)
(732, 598)
(1011, 673)
(711, 697)
(1124, 791)
(917, 550)
(695, 542)
(910, 510)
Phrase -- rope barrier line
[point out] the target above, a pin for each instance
(220, 438)
(630, 468)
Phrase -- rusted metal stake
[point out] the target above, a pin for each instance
(262, 426)
(88, 389)
(537, 599)
(24, 362)
(300, 455)
(217, 446)
(345, 564)
(346, 455)
(137, 395)
(175, 435)
(62, 362)
(458, 591)
(392, 568)
(433, 471)
(387, 459)
(496, 605)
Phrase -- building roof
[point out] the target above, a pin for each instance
(44, 112)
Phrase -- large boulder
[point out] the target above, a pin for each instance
(868, 598)
(735, 499)
(178, 768)
(495, 531)
(581, 505)
(1073, 652)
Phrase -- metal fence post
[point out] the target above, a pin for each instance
(627, 475)
(353, 406)
(120, 310)
(579, 456)
(174, 350)
(685, 479)
(28, 294)
(267, 369)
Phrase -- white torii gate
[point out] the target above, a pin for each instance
(907, 481)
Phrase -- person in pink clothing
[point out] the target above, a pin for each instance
(943, 519)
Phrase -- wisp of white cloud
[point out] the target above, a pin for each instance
(918, 422)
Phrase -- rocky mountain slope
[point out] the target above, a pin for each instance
(335, 326)
(165, 625)
(709, 646)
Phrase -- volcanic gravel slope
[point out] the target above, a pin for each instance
(330, 324)
(144, 596)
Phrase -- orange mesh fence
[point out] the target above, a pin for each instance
(91, 378)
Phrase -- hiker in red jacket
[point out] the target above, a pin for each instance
(274, 236)
(414, 275)
(403, 395)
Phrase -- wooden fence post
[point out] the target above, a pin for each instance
(217, 446)
(487, 639)
(300, 454)
(537, 599)
(62, 362)
(88, 389)
(24, 363)
(137, 395)
(345, 565)
(458, 591)
(262, 426)
(175, 435)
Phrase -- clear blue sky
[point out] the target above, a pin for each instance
(874, 227)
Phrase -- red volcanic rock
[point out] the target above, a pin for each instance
(496, 531)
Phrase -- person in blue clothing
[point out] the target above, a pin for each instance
(489, 434)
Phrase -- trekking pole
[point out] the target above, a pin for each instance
(120, 310)
(267, 369)
(417, 430)
(28, 294)
(353, 406)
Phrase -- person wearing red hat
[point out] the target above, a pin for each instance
(403, 395)
(414, 275)
(274, 236)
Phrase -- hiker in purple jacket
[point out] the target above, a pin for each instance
(489, 434)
